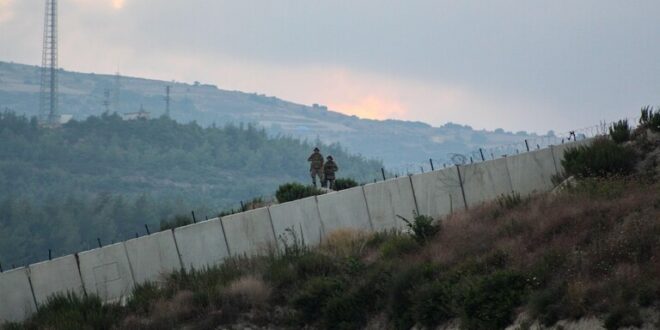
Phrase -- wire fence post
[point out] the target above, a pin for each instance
(431, 161)
(1, 268)
(527, 145)
(193, 215)
(382, 171)
(98, 239)
(147, 228)
(481, 152)
(50, 254)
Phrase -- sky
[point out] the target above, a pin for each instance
(519, 65)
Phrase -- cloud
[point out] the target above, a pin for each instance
(6, 10)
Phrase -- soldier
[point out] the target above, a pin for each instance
(316, 165)
(329, 169)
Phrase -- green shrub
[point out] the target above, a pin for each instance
(624, 316)
(620, 131)
(509, 201)
(547, 305)
(144, 295)
(310, 300)
(650, 119)
(488, 302)
(434, 303)
(603, 158)
(402, 292)
(344, 183)
(422, 227)
(71, 311)
(294, 191)
(177, 221)
(398, 245)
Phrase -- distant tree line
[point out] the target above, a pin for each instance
(106, 177)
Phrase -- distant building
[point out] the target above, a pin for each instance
(142, 114)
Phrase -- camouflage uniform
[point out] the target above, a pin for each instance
(329, 169)
(316, 166)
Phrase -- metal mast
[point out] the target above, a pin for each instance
(48, 100)
(167, 100)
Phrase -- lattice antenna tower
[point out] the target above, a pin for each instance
(49, 84)
(168, 99)
(117, 88)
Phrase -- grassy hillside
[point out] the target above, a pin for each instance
(104, 177)
(591, 249)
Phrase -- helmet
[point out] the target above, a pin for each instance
(316, 149)
(329, 157)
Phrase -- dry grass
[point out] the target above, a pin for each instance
(249, 290)
(344, 242)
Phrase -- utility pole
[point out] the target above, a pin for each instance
(49, 85)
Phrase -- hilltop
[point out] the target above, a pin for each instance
(395, 142)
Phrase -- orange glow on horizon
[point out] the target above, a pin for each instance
(370, 107)
(118, 4)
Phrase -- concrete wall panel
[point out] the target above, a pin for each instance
(346, 209)
(485, 181)
(106, 272)
(387, 199)
(438, 193)
(532, 171)
(59, 275)
(249, 233)
(300, 216)
(153, 256)
(16, 300)
(202, 244)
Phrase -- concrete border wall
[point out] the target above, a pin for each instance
(387, 199)
(57, 276)
(301, 217)
(249, 233)
(201, 244)
(485, 181)
(532, 171)
(438, 193)
(16, 299)
(153, 256)
(106, 272)
(346, 209)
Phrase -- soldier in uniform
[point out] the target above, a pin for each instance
(329, 169)
(316, 165)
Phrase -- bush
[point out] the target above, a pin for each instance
(624, 316)
(620, 131)
(422, 227)
(603, 158)
(314, 295)
(294, 191)
(509, 201)
(488, 302)
(434, 303)
(144, 295)
(650, 119)
(398, 245)
(344, 183)
(71, 311)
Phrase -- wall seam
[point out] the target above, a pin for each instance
(224, 235)
(364, 195)
(412, 187)
(176, 246)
